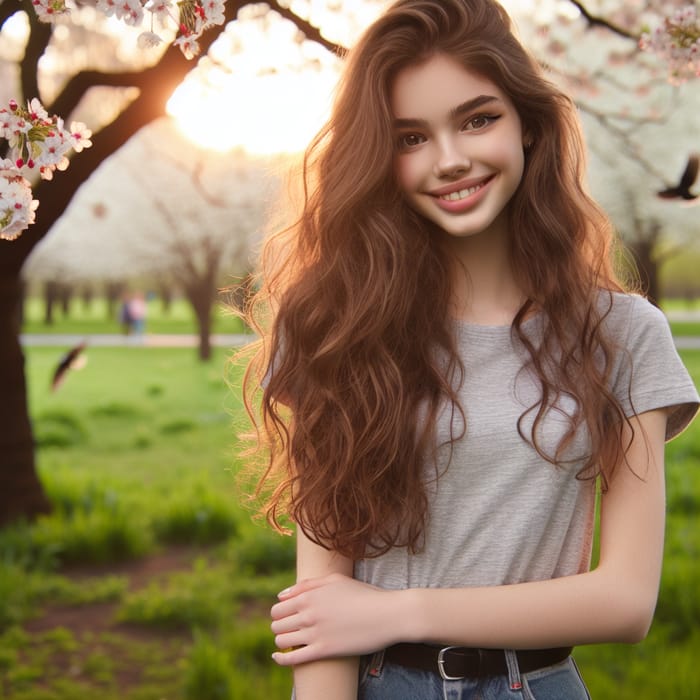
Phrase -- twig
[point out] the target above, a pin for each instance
(597, 21)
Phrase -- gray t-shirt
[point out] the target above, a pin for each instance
(499, 513)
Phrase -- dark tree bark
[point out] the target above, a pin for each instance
(113, 292)
(201, 298)
(647, 269)
(165, 294)
(87, 294)
(21, 493)
(50, 299)
(65, 296)
(643, 247)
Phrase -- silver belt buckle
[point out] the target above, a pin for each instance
(441, 665)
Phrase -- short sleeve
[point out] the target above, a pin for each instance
(650, 374)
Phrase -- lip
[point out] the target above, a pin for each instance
(459, 206)
(460, 185)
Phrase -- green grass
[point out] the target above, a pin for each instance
(138, 453)
(685, 328)
(95, 318)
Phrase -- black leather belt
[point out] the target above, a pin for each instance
(456, 663)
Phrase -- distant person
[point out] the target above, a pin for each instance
(125, 314)
(450, 368)
(137, 312)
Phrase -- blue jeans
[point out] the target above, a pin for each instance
(387, 681)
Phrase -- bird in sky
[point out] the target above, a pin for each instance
(73, 359)
(682, 189)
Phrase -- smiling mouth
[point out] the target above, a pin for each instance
(463, 194)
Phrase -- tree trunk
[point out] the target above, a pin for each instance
(87, 294)
(647, 269)
(21, 493)
(200, 293)
(202, 311)
(50, 298)
(65, 295)
(165, 292)
(114, 292)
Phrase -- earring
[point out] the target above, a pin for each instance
(528, 144)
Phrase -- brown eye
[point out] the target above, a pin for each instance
(407, 141)
(480, 121)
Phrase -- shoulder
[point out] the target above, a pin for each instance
(621, 306)
(627, 317)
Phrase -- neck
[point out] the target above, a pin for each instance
(485, 291)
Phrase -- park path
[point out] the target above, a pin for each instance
(159, 340)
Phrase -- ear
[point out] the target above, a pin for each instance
(528, 140)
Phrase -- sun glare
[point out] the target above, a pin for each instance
(266, 90)
(266, 114)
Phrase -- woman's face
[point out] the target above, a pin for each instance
(459, 146)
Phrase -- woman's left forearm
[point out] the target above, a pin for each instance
(587, 608)
(613, 603)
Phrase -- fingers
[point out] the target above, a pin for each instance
(306, 585)
(293, 625)
(302, 655)
(283, 609)
(291, 641)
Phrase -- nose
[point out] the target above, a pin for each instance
(451, 157)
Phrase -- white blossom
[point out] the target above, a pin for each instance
(163, 10)
(37, 143)
(191, 17)
(48, 10)
(17, 206)
(148, 40)
(80, 136)
(188, 45)
(213, 12)
(677, 42)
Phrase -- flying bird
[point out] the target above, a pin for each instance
(688, 178)
(73, 359)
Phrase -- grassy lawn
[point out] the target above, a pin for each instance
(95, 318)
(685, 328)
(151, 581)
(138, 452)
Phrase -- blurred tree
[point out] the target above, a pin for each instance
(639, 116)
(142, 92)
(197, 232)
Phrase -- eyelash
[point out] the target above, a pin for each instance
(404, 146)
(490, 118)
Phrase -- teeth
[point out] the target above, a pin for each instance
(454, 196)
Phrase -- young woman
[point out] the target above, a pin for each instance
(451, 368)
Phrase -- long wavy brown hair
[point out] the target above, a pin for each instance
(358, 353)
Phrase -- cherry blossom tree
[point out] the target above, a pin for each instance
(199, 231)
(128, 91)
(139, 86)
(639, 110)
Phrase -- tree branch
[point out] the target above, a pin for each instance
(597, 21)
(172, 63)
(632, 149)
(7, 9)
(308, 29)
(39, 37)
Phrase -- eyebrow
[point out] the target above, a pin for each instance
(457, 111)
